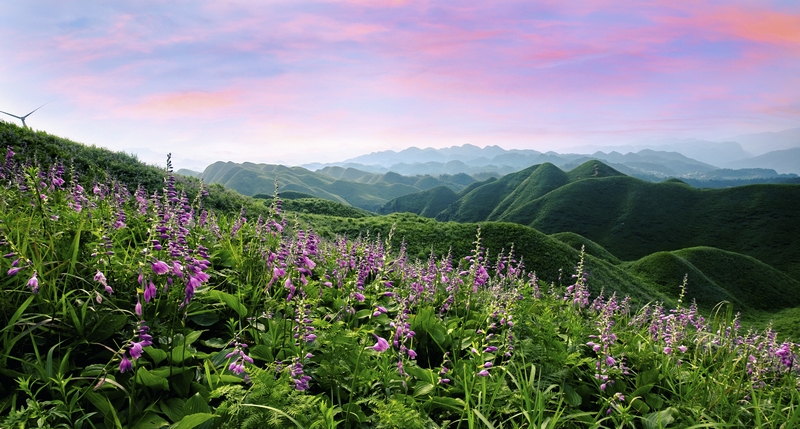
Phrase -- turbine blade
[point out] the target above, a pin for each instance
(9, 114)
(36, 109)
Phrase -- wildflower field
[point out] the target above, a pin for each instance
(137, 308)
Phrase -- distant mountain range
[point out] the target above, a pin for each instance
(646, 163)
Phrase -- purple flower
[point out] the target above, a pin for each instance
(150, 292)
(667, 350)
(101, 278)
(138, 308)
(444, 380)
(412, 354)
(160, 267)
(381, 346)
(136, 350)
(146, 339)
(490, 349)
(483, 373)
(13, 271)
(487, 365)
(126, 364)
(33, 283)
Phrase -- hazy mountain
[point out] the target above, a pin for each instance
(761, 143)
(782, 161)
(646, 163)
(709, 152)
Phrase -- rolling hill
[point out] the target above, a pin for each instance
(632, 218)
(361, 189)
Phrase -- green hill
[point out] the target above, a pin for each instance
(426, 203)
(547, 256)
(632, 218)
(716, 275)
(578, 242)
(361, 189)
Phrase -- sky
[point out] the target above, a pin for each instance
(297, 81)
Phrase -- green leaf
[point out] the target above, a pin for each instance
(423, 388)
(262, 352)
(571, 396)
(145, 377)
(215, 343)
(193, 420)
(230, 300)
(151, 420)
(422, 374)
(192, 337)
(205, 318)
(653, 400)
(660, 419)
(196, 404)
(173, 408)
(156, 355)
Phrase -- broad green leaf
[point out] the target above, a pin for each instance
(423, 388)
(572, 397)
(216, 343)
(205, 318)
(195, 404)
(173, 408)
(156, 355)
(193, 420)
(660, 419)
(261, 352)
(422, 374)
(145, 377)
(230, 300)
(151, 420)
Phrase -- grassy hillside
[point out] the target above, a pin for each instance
(632, 218)
(577, 242)
(548, 257)
(486, 201)
(361, 189)
(716, 275)
(426, 203)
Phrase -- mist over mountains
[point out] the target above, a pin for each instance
(708, 161)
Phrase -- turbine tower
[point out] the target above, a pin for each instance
(22, 118)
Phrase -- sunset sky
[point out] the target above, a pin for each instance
(300, 81)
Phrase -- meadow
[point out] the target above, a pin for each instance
(173, 305)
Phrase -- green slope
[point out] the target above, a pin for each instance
(716, 275)
(426, 203)
(578, 242)
(488, 201)
(368, 191)
(632, 218)
(548, 257)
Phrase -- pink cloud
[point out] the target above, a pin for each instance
(187, 104)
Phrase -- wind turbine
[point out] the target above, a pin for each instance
(22, 118)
